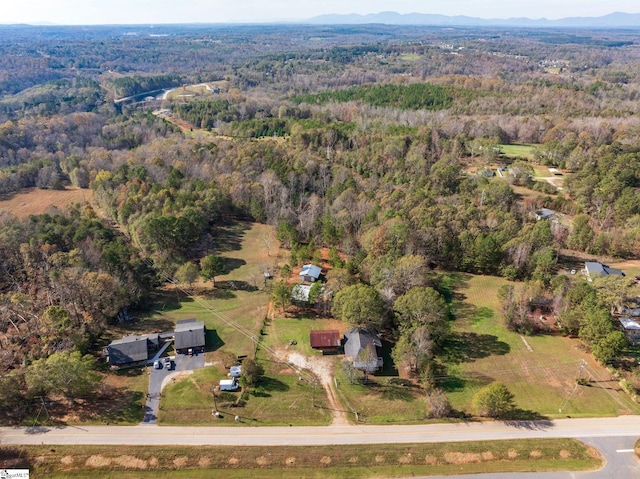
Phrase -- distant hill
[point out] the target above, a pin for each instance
(613, 20)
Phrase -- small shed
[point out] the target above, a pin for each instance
(631, 329)
(300, 293)
(310, 273)
(544, 214)
(189, 334)
(228, 385)
(326, 340)
(235, 371)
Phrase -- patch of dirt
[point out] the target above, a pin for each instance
(262, 461)
(354, 459)
(379, 459)
(326, 460)
(430, 460)
(535, 454)
(180, 461)
(67, 460)
(153, 461)
(406, 459)
(564, 454)
(131, 462)
(462, 457)
(204, 462)
(97, 461)
(233, 461)
(512, 454)
(290, 461)
(488, 456)
(322, 368)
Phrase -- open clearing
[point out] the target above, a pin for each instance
(384, 461)
(543, 380)
(517, 151)
(279, 398)
(34, 201)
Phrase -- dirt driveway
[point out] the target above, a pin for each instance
(323, 368)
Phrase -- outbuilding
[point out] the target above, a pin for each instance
(189, 334)
(327, 341)
(131, 349)
(310, 273)
(228, 385)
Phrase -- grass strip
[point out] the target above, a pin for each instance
(352, 461)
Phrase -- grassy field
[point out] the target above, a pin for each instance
(235, 309)
(352, 461)
(540, 370)
(197, 90)
(382, 400)
(278, 399)
(518, 151)
(34, 201)
(237, 299)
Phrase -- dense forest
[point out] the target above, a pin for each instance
(371, 141)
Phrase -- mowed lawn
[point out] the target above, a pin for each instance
(542, 378)
(237, 306)
(518, 151)
(279, 398)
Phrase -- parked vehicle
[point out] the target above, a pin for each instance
(157, 365)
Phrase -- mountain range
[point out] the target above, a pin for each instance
(613, 20)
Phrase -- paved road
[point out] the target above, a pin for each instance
(624, 426)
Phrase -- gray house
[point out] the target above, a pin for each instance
(189, 335)
(593, 269)
(310, 273)
(544, 214)
(631, 329)
(131, 349)
(361, 347)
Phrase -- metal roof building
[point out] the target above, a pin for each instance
(189, 334)
(310, 273)
(131, 349)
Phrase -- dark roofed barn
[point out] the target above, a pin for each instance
(131, 349)
(326, 340)
(189, 334)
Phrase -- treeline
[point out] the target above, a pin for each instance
(417, 96)
(65, 277)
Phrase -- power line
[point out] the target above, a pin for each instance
(235, 325)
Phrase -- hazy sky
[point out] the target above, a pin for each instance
(213, 11)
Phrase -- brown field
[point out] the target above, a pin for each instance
(34, 201)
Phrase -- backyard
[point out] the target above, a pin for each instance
(541, 370)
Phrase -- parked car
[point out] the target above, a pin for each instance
(167, 360)
(157, 365)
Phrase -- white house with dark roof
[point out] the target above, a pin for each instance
(594, 269)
